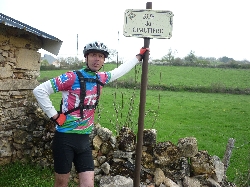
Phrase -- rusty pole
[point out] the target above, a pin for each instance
(144, 80)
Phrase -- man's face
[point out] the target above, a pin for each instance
(95, 60)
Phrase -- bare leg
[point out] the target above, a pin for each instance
(61, 180)
(86, 179)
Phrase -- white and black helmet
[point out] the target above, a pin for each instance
(95, 47)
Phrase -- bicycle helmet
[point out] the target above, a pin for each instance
(95, 47)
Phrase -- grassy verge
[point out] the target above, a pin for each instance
(26, 175)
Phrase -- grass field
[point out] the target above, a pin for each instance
(178, 76)
(212, 118)
(192, 76)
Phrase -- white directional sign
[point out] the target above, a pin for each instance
(148, 23)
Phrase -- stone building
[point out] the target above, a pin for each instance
(19, 69)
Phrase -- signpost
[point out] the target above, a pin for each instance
(145, 24)
(148, 23)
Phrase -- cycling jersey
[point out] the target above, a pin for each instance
(68, 83)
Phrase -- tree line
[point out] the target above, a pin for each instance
(169, 59)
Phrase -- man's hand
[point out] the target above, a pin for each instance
(140, 56)
(59, 119)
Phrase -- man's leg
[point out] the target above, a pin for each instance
(61, 180)
(86, 179)
(63, 155)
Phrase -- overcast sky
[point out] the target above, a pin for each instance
(210, 28)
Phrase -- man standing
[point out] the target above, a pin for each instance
(80, 94)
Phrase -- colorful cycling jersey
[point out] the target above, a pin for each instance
(69, 85)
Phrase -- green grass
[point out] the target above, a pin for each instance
(26, 175)
(190, 76)
(197, 76)
(181, 76)
(212, 118)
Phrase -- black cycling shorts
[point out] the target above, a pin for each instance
(68, 148)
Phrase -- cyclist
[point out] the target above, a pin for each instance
(80, 93)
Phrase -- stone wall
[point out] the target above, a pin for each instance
(19, 68)
(162, 164)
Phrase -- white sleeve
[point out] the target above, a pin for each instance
(42, 93)
(123, 69)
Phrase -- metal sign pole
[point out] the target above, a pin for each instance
(145, 24)
(144, 80)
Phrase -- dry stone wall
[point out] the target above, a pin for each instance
(162, 164)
